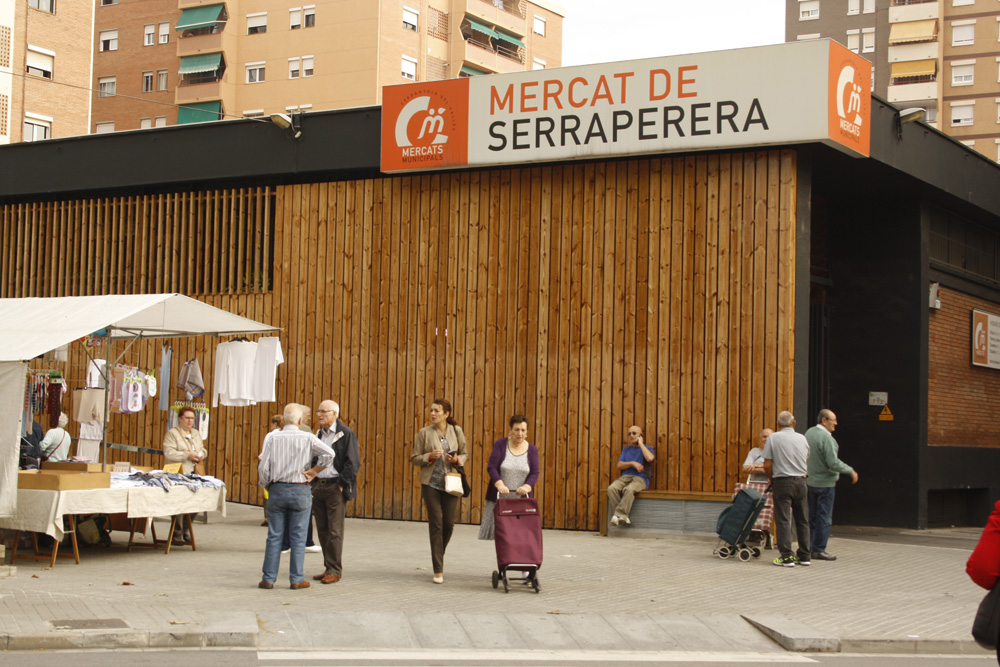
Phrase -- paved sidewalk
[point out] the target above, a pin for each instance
(660, 594)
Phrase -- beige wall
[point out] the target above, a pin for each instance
(64, 98)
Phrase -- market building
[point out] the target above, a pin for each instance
(673, 242)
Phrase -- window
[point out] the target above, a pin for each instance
(255, 72)
(108, 40)
(998, 110)
(931, 116)
(145, 123)
(36, 128)
(963, 33)
(538, 26)
(294, 67)
(106, 86)
(147, 82)
(307, 65)
(960, 3)
(256, 24)
(43, 5)
(149, 35)
(295, 18)
(409, 68)
(808, 10)
(410, 17)
(310, 15)
(105, 3)
(164, 33)
(40, 62)
(853, 7)
(854, 40)
(869, 6)
(537, 63)
(160, 121)
(872, 88)
(105, 127)
(963, 74)
(868, 40)
(161, 79)
(812, 35)
(961, 113)
(255, 113)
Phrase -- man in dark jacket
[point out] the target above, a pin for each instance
(333, 488)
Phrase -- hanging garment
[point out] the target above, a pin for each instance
(234, 367)
(165, 356)
(265, 369)
(190, 381)
(203, 423)
(54, 402)
(96, 373)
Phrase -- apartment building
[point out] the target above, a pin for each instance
(164, 62)
(44, 69)
(942, 55)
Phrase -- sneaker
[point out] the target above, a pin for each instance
(628, 521)
(314, 549)
(822, 555)
(286, 551)
(614, 519)
(801, 561)
(785, 562)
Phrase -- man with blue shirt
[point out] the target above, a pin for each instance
(634, 478)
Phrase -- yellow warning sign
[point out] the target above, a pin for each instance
(885, 415)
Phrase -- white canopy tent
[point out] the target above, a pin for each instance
(33, 326)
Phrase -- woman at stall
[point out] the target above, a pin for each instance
(55, 444)
(183, 444)
(513, 468)
(436, 448)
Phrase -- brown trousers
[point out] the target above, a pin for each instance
(330, 508)
(441, 510)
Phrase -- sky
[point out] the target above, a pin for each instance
(609, 30)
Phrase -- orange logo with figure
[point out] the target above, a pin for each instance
(425, 125)
(850, 99)
(980, 338)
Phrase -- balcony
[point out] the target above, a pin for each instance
(913, 10)
(913, 92)
(485, 57)
(196, 92)
(916, 51)
(199, 44)
(506, 14)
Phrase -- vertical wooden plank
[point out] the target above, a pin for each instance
(786, 281)
(713, 470)
(773, 257)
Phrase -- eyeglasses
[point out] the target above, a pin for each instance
(635, 432)
(325, 412)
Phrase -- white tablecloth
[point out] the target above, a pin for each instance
(41, 511)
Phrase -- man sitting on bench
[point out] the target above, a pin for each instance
(634, 476)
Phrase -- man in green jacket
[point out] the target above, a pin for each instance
(825, 468)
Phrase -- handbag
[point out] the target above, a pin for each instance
(986, 626)
(453, 484)
(466, 488)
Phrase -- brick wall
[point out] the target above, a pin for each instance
(963, 400)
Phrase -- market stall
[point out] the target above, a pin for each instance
(31, 327)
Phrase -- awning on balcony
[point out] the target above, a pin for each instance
(200, 17)
(510, 39)
(913, 31)
(203, 62)
(914, 68)
(470, 71)
(199, 112)
(479, 27)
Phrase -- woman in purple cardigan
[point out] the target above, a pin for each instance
(513, 468)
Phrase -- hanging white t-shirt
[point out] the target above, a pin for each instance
(265, 371)
(234, 362)
(95, 373)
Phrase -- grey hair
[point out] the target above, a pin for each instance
(63, 420)
(293, 413)
(825, 413)
(785, 419)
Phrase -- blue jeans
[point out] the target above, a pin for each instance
(820, 515)
(289, 504)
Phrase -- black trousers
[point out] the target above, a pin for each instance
(791, 503)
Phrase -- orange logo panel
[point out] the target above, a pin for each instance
(850, 99)
(980, 338)
(425, 125)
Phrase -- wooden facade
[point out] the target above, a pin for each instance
(587, 296)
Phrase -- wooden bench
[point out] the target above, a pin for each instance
(668, 513)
